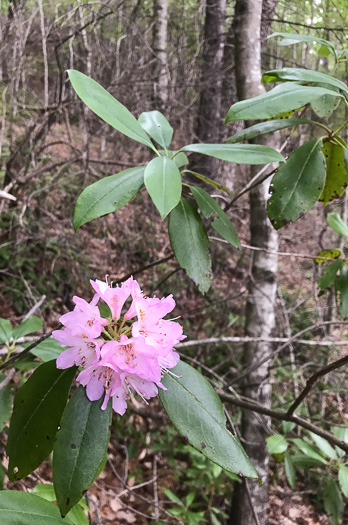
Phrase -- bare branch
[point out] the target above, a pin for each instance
(310, 382)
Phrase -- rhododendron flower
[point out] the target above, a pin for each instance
(123, 353)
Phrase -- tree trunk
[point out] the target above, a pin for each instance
(209, 122)
(251, 499)
(160, 48)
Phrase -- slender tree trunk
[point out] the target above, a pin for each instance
(251, 499)
(209, 122)
(160, 49)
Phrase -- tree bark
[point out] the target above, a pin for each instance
(160, 48)
(209, 123)
(250, 498)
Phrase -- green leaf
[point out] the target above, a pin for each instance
(80, 448)
(288, 426)
(302, 75)
(335, 222)
(288, 39)
(197, 412)
(179, 158)
(278, 100)
(297, 184)
(157, 126)
(306, 462)
(221, 222)
(333, 503)
(163, 182)
(324, 106)
(5, 330)
(47, 350)
(5, 403)
(323, 51)
(107, 195)
(276, 444)
(343, 479)
(262, 128)
(172, 497)
(238, 153)
(336, 173)
(328, 254)
(107, 107)
(329, 275)
(45, 491)
(38, 407)
(189, 241)
(341, 433)
(289, 470)
(23, 508)
(76, 516)
(32, 324)
(309, 450)
(324, 446)
(341, 286)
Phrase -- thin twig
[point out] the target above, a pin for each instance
(143, 268)
(310, 382)
(215, 340)
(283, 416)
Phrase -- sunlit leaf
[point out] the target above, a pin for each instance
(336, 180)
(163, 182)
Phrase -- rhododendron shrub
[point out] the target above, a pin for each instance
(124, 353)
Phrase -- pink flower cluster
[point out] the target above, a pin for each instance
(121, 353)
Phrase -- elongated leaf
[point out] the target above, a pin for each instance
(343, 479)
(197, 413)
(330, 275)
(341, 286)
(289, 470)
(297, 184)
(306, 462)
(324, 446)
(303, 75)
(238, 153)
(32, 324)
(266, 127)
(289, 39)
(157, 126)
(284, 97)
(276, 444)
(47, 350)
(309, 450)
(22, 508)
(5, 330)
(107, 195)
(336, 223)
(163, 182)
(80, 448)
(189, 241)
(333, 502)
(5, 403)
(38, 408)
(336, 173)
(221, 223)
(107, 107)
